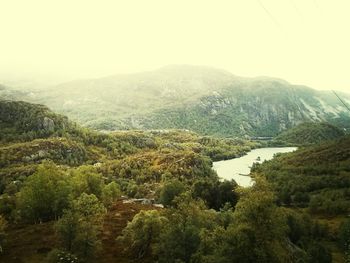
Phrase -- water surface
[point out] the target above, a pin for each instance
(239, 168)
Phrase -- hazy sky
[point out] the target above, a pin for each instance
(302, 41)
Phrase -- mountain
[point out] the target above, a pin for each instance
(206, 100)
(310, 132)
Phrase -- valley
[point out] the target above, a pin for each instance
(170, 131)
(219, 169)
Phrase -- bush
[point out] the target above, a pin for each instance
(45, 194)
(214, 193)
(318, 253)
(344, 235)
(3, 225)
(110, 193)
(142, 232)
(80, 225)
(170, 190)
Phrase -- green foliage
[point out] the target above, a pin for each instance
(310, 133)
(240, 225)
(67, 227)
(3, 225)
(142, 232)
(215, 193)
(316, 176)
(318, 253)
(87, 180)
(25, 121)
(45, 194)
(223, 149)
(344, 235)
(179, 239)
(257, 213)
(110, 193)
(59, 150)
(79, 226)
(170, 190)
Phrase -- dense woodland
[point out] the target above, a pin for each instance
(63, 190)
(310, 133)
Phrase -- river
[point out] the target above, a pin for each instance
(239, 168)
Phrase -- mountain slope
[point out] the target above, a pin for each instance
(206, 100)
(316, 176)
(310, 132)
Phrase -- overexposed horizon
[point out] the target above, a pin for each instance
(302, 41)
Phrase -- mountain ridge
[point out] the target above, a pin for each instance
(204, 99)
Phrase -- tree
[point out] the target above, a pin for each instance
(180, 239)
(143, 232)
(318, 253)
(45, 194)
(344, 234)
(110, 193)
(87, 180)
(79, 226)
(67, 227)
(215, 193)
(256, 232)
(257, 212)
(3, 225)
(170, 190)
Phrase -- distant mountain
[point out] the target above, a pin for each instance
(311, 132)
(202, 99)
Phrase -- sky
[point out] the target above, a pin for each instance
(303, 41)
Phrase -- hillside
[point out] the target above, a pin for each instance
(206, 100)
(66, 194)
(315, 179)
(31, 134)
(315, 176)
(46, 161)
(310, 133)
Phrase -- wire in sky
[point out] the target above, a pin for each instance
(296, 9)
(346, 106)
(269, 14)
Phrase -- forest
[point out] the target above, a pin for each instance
(70, 194)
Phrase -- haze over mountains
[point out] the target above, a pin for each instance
(203, 99)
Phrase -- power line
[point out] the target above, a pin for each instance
(268, 13)
(346, 106)
(296, 9)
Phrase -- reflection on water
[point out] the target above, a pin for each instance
(239, 168)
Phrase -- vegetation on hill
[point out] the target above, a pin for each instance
(310, 133)
(61, 186)
(205, 100)
(316, 179)
(317, 176)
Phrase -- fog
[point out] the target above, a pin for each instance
(302, 41)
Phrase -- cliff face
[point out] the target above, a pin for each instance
(257, 109)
